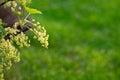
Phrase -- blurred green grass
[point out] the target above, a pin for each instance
(84, 42)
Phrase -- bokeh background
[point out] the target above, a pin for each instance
(84, 42)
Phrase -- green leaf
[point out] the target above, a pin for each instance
(33, 11)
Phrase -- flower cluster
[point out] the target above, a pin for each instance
(15, 8)
(9, 54)
(40, 34)
(24, 2)
(20, 39)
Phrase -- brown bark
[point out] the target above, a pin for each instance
(9, 18)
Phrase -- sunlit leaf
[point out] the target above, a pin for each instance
(33, 11)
